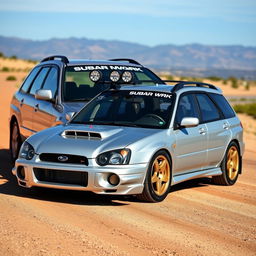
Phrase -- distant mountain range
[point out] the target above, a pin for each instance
(186, 60)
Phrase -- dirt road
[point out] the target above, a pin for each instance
(197, 218)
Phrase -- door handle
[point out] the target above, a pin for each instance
(226, 126)
(202, 131)
(36, 107)
(21, 102)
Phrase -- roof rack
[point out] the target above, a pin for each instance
(181, 84)
(53, 57)
(128, 60)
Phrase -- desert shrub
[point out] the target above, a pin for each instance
(234, 82)
(247, 86)
(13, 57)
(225, 81)
(32, 61)
(11, 78)
(5, 69)
(214, 78)
(169, 77)
(1, 55)
(249, 109)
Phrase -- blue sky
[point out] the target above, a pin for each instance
(149, 22)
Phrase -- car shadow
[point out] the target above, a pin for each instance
(9, 186)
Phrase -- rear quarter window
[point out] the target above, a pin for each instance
(223, 105)
(209, 111)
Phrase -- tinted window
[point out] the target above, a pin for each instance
(29, 80)
(39, 80)
(223, 104)
(51, 81)
(186, 108)
(209, 111)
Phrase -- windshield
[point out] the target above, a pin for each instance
(79, 87)
(128, 108)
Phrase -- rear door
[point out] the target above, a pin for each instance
(218, 128)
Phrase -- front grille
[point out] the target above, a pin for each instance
(81, 135)
(62, 176)
(63, 158)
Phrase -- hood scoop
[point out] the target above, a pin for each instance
(81, 135)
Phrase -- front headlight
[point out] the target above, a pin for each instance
(114, 157)
(26, 151)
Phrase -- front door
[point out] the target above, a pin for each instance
(191, 143)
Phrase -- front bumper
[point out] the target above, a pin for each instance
(131, 177)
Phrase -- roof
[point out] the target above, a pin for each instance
(64, 59)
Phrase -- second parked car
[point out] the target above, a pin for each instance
(58, 86)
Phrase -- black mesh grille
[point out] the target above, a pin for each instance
(63, 158)
(62, 176)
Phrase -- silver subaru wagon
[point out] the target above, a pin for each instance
(58, 87)
(138, 139)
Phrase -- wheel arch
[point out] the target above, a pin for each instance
(171, 159)
(239, 149)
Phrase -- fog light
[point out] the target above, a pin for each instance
(21, 172)
(113, 179)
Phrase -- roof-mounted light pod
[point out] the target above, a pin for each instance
(115, 76)
(95, 75)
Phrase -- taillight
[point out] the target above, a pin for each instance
(241, 124)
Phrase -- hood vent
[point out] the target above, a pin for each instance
(81, 135)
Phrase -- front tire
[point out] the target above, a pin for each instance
(158, 178)
(230, 166)
(15, 141)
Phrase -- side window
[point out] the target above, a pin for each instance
(51, 82)
(187, 107)
(37, 84)
(209, 111)
(223, 105)
(29, 80)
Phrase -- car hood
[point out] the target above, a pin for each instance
(88, 140)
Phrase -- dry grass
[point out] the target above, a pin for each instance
(16, 65)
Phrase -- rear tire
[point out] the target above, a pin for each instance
(230, 166)
(15, 141)
(158, 178)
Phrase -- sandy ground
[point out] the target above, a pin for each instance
(196, 218)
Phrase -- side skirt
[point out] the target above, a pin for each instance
(193, 175)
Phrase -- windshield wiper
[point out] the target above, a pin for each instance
(81, 99)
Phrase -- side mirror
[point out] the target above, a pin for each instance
(189, 122)
(69, 115)
(44, 95)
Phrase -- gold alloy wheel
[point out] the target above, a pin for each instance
(161, 173)
(232, 162)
